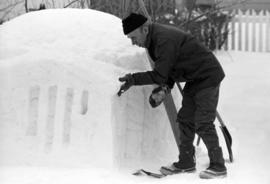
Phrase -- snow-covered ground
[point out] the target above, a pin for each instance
(61, 121)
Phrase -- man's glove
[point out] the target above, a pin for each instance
(158, 95)
(129, 81)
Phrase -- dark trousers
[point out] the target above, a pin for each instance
(197, 115)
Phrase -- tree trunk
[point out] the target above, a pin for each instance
(26, 6)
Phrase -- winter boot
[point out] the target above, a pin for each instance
(186, 163)
(217, 167)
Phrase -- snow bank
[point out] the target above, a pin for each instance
(59, 76)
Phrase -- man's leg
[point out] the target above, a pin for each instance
(206, 102)
(185, 119)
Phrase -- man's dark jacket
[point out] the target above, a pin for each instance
(179, 57)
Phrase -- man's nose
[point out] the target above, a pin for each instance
(133, 42)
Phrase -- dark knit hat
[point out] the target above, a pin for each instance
(132, 22)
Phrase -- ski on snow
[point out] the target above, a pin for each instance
(163, 171)
(142, 172)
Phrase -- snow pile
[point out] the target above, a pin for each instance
(58, 105)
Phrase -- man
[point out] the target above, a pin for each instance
(179, 57)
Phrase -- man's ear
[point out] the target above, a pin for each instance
(145, 30)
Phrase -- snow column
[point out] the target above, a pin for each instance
(142, 135)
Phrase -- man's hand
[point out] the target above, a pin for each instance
(158, 95)
(129, 81)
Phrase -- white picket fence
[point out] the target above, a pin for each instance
(249, 31)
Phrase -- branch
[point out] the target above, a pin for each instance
(72, 2)
(190, 14)
(26, 6)
(10, 9)
(144, 10)
(53, 3)
(11, 5)
(210, 12)
(88, 3)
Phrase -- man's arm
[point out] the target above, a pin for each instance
(166, 57)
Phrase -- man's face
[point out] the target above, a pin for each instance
(138, 36)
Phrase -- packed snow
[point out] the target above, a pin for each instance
(62, 122)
